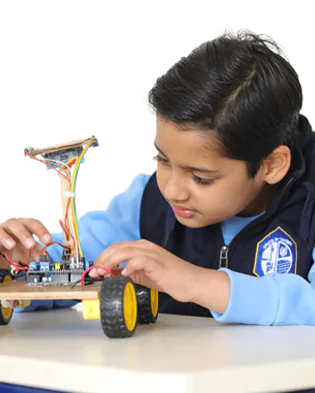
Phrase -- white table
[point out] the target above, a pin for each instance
(60, 350)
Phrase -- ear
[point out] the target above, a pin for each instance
(276, 165)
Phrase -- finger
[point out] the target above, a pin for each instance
(140, 278)
(7, 241)
(138, 263)
(36, 252)
(22, 230)
(94, 273)
(14, 231)
(98, 273)
(38, 229)
(139, 244)
(122, 254)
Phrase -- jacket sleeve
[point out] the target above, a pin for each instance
(100, 229)
(278, 299)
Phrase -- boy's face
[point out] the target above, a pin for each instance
(202, 186)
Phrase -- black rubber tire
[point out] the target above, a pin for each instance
(112, 307)
(3, 319)
(145, 315)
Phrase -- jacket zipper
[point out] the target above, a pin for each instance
(224, 262)
(224, 251)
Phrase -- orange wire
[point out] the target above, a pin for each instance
(65, 230)
(64, 223)
(66, 213)
(69, 163)
(68, 236)
(50, 244)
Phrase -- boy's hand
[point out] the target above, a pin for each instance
(152, 266)
(16, 238)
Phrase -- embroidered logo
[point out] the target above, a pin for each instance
(276, 253)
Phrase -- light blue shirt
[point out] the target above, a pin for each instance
(275, 299)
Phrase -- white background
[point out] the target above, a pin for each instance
(73, 69)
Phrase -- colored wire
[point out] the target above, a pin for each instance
(50, 244)
(94, 267)
(76, 161)
(72, 189)
(16, 267)
(60, 164)
(69, 163)
(66, 213)
(46, 163)
(67, 176)
(66, 231)
(66, 166)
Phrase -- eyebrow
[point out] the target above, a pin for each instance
(192, 168)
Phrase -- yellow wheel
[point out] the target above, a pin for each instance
(148, 304)
(5, 313)
(118, 307)
(154, 297)
(130, 308)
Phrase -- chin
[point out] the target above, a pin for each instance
(193, 223)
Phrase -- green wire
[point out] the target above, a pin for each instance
(75, 175)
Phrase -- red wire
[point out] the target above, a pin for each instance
(46, 163)
(95, 267)
(17, 268)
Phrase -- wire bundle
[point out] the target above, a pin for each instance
(68, 172)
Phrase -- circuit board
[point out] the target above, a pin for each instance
(43, 273)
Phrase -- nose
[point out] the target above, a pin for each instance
(176, 190)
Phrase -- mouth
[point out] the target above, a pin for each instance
(182, 211)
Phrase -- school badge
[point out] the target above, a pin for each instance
(276, 253)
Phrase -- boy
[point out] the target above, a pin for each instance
(227, 223)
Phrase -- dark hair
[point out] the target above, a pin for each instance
(241, 88)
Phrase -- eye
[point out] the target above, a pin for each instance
(201, 180)
(160, 159)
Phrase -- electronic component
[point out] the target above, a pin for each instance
(65, 159)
